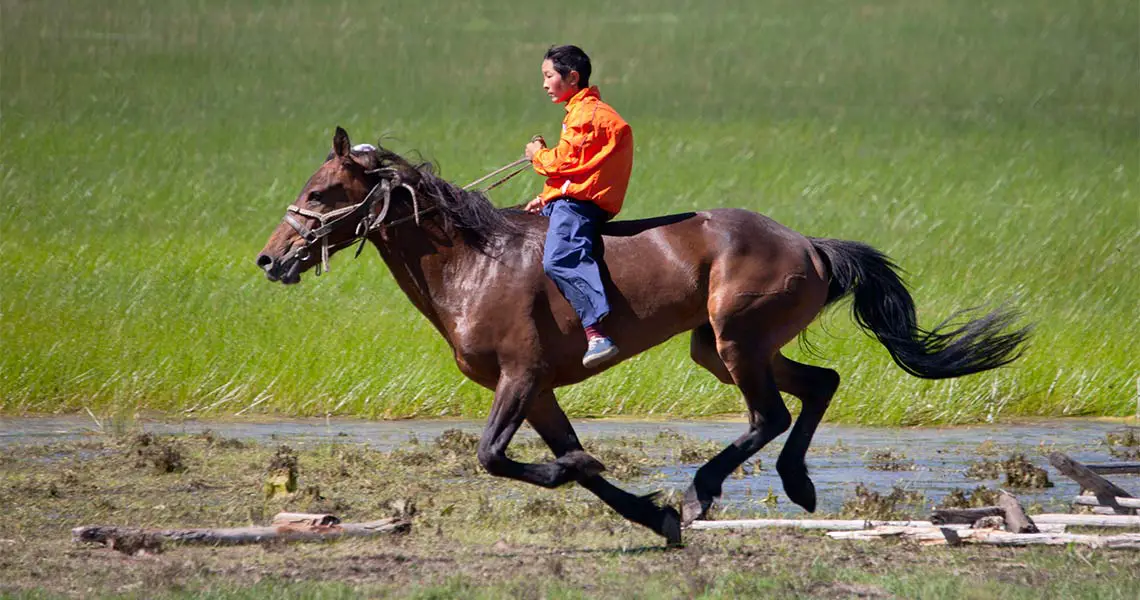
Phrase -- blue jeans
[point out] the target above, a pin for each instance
(569, 258)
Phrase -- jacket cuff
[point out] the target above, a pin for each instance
(537, 164)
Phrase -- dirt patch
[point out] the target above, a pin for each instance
(472, 534)
(161, 453)
(214, 440)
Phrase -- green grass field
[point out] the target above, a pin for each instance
(991, 147)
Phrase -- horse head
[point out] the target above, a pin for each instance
(347, 198)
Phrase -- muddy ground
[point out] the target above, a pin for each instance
(472, 535)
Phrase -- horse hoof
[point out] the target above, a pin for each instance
(802, 492)
(585, 465)
(671, 527)
(694, 507)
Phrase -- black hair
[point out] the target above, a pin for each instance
(570, 58)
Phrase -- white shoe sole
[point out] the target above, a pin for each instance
(600, 358)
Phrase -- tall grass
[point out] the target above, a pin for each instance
(148, 149)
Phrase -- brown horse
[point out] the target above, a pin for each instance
(742, 284)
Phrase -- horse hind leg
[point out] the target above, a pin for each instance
(702, 349)
(814, 386)
(748, 367)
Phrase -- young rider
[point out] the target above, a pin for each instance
(587, 174)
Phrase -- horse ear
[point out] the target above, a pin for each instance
(341, 145)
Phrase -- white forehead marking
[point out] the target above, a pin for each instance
(364, 148)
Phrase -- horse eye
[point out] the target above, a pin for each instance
(315, 196)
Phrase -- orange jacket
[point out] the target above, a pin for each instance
(594, 157)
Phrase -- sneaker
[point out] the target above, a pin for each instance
(600, 350)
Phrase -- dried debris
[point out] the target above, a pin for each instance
(1019, 472)
(281, 474)
(976, 498)
(1125, 444)
(868, 504)
(888, 460)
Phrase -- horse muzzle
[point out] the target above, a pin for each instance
(286, 271)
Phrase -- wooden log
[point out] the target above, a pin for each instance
(1105, 490)
(1120, 501)
(968, 516)
(1121, 468)
(1089, 520)
(1016, 521)
(942, 535)
(243, 535)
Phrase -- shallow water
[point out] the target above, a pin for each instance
(837, 461)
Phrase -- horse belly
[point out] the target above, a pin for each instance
(656, 302)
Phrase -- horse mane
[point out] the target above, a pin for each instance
(468, 212)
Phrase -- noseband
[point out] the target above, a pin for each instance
(333, 219)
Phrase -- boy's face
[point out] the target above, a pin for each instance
(559, 88)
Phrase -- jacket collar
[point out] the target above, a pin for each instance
(576, 99)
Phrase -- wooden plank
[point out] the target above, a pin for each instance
(1105, 490)
(969, 516)
(885, 532)
(1089, 520)
(288, 518)
(1121, 468)
(942, 535)
(1016, 521)
(1120, 501)
(829, 524)
(243, 535)
(999, 523)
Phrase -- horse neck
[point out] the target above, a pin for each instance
(419, 258)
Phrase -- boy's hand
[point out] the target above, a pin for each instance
(536, 144)
(534, 206)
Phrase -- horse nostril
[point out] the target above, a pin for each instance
(264, 262)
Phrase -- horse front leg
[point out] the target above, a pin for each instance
(513, 398)
(548, 419)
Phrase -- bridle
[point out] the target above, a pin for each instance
(368, 222)
(333, 219)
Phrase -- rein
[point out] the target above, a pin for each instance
(518, 163)
(368, 223)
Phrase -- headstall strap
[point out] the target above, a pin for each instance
(329, 220)
(368, 223)
(415, 202)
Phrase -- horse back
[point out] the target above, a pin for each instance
(672, 264)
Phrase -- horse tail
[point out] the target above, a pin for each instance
(884, 307)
